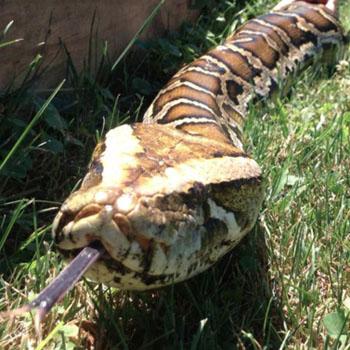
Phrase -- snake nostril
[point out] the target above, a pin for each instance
(61, 220)
(65, 220)
(64, 217)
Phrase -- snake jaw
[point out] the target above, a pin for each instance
(138, 243)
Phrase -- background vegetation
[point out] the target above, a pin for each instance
(287, 284)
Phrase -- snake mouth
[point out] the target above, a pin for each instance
(104, 226)
(104, 259)
(72, 253)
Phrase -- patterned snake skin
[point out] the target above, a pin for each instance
(168, 197)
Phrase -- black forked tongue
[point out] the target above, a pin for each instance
(56, 290)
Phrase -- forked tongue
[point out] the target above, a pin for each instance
(59, 286)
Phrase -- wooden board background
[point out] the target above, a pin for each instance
(43, 24)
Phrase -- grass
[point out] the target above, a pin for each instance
(286, 286)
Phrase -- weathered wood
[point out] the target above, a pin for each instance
(44, 25)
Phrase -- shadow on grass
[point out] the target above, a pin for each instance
(229, 306)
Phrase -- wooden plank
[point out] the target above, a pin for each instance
(44, 25)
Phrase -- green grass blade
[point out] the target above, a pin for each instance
(30, 126)
(42, 345)
(8, 43)
(16, 214)
(145, 24)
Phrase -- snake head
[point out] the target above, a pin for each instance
(164, 204)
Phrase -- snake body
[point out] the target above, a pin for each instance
(168, 197)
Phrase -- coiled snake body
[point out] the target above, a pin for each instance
(168, 197)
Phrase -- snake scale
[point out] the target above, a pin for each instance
(168, 197)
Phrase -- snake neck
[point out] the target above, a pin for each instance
(210, 97)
